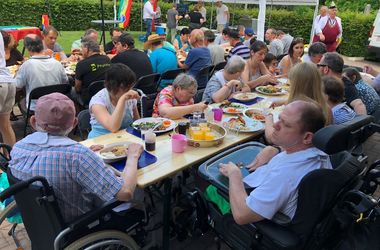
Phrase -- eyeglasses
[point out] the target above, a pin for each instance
(322, 65)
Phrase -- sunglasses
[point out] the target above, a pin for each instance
(322, 65)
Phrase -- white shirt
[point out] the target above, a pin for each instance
(322, 23)
(276, 183)
(148, 12)
(5, 75)
(221, 16)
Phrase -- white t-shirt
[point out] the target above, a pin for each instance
(276, 183)
(5, 75)
(221, 16)
(148, 12)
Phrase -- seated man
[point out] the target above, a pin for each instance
(40, 70)
(216, 51)
(315, 53)
(115, 32)
(198, 57)
(238, 47)
(90, 33)
(92, 68)
(51, 47)
(77, 174)
(276, 182)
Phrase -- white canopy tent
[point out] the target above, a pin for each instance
(262, 9)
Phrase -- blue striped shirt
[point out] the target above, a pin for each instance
(78, 176)
(241, 50)
(342, 113)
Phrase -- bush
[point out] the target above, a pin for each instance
(77, 15)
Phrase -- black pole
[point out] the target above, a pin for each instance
(103, 39)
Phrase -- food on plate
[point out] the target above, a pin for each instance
(245, 96)
(270, 89)
(13, 69)
(116, 151)
(96, 147)
(286, 86)
(237, 122)
(156, 125)
(231, 107)
(255, 114)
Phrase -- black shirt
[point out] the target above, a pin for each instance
(350, 91)
(89, 70)
(109, 47)
(136, 60)
(195, 17)
(14, 57)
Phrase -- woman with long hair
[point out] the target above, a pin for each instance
(294, 56)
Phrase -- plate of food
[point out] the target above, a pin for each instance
(245, 97)
(13, 69)
(242, 124)
(114, 152)
(232, 107)
(270, 90)
(254, 114)
(159, 125)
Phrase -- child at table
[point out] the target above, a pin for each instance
(114, 107)
(334, 90)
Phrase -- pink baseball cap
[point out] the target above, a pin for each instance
(55, 112)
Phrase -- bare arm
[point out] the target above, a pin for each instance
(240, 211)
(359, 107)
(259, 81)
(78, 85)
(129, 173)
(176, 112)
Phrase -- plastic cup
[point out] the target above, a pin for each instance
(218, 114)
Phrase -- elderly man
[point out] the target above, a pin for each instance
(148, 15)
(198, 57)
(276, 182)
(40, 70)
(322, 13)
(216, 51)
(276, 47)
(135, 59)
(286, 40)
(51, 47)
(238, 47)
(92, 68)
(225, 83)
(90, 33)
(331, 64)
(78, 175)
(315, 53)
(222, 15)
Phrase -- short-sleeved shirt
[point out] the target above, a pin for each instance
(77, 44)
(221, 17)
(195, 17)
(217, 54)
(180, 45)
(286, 41)
(342, 113)
(103, 98)
(166, 96)
(241, 50)
(78, 176)
(136, 60)
(216, 82)
(171, 22)
(163, 59)
(39, 71)
(276, 47)
(350, 91)
(197, 59)
(89, 70)
(15, 56)
(276, 183)
(57, 49)
(368, 95)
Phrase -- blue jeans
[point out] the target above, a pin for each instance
(148, 24)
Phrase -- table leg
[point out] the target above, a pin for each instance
(166, 214)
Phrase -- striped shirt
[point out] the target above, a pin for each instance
(78, 176)
(342, 113)
(241, 50)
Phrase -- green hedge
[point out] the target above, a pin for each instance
(77, 15)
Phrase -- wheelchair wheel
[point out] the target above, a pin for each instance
(8, 209)
(108, 239)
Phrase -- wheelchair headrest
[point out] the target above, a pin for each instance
(336, 138)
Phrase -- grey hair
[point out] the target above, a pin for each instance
(185, 81)
(235, 64)
(63, 132)
(89, 32)
(90, 44)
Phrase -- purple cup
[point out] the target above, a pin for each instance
(218, 114)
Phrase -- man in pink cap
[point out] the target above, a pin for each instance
(78, 175)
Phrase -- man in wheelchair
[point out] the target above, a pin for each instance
(275, 183)
(78, 176)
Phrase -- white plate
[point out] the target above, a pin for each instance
(110, 157)
(282, 80)
(238, 106)
(172, 126)
(258, 89)
(245, 113)
(251, 125)
(245, 97)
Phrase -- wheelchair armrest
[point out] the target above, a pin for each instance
(281, 237)
(95, 214)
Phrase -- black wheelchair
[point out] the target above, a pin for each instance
(100, 228)
(322, 194)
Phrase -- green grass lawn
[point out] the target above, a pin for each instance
(66, 38)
